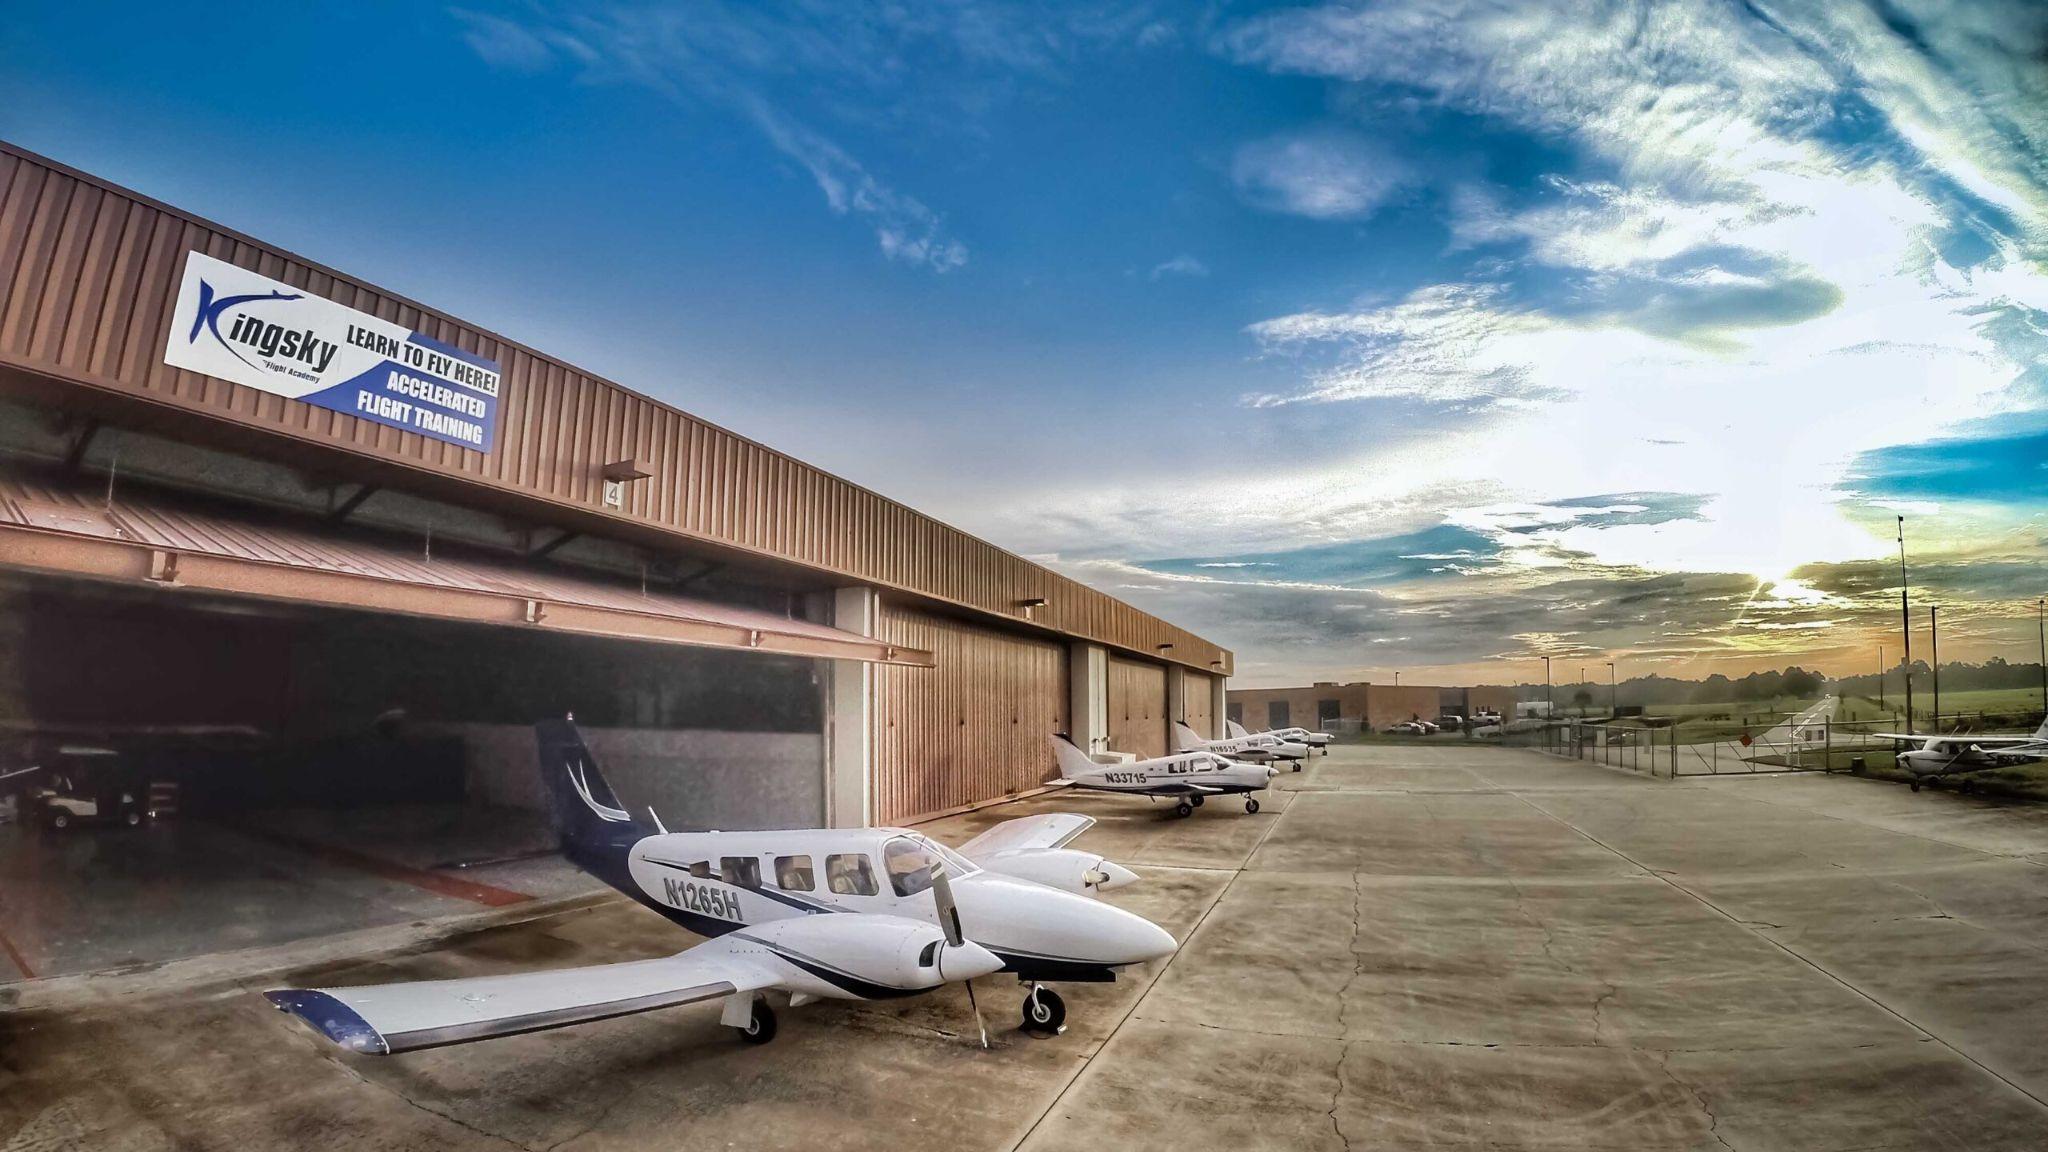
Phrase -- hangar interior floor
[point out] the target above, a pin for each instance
(98, 897)
(1427, 947)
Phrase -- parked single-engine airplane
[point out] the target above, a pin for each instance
(854, 914)
(1939, 756)
(1296, 734)
(1260, 748)
(1188, 777)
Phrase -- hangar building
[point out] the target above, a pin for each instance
(282, 538)
(1334, 707)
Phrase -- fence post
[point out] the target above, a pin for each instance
(1827, 755)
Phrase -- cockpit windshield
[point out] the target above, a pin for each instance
(909, 861)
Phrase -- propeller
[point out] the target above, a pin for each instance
(949, 923)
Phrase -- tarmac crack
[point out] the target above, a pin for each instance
(1337, 1096)
(1700, 1098)
(409, 1102)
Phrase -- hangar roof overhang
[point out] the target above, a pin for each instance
(156, 541)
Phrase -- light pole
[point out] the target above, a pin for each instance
(1880, 676)
(2042, 631)
(1613, 692)
(1934, 634)
(1906, 626)
(1549, 704)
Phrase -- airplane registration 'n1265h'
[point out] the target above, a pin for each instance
(1186, 777)
(852, 914)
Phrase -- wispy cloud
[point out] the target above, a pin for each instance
(1181, 265)
(1324, 176)
(728, 54)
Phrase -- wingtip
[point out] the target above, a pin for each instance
(331, 1018)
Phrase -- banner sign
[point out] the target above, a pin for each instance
(239, 326)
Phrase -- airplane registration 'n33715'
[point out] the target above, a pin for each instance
(1186, 777)
(854, 914)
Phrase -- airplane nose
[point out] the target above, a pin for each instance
(967, 961)
(1148, 941)
(1114, 876)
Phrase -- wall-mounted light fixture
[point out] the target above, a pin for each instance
(1165, 647)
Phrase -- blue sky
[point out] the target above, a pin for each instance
(1417, 334)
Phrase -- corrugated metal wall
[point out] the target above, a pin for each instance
(89, 276)
(1197, 694)
(1137, 707)
(974, 727)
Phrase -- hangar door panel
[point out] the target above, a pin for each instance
(1196, 701)
(1137, 707)
(969, 729)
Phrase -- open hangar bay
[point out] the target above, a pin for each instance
(1412, 947)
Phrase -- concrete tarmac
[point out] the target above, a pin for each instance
(1408, 948)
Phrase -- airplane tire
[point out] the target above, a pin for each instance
(61, 820)
(132, 819)
(1045, 1013)
(1251, 806)
(1197, 800)
(1183, 809)
(760, 1027)
(1913, 784)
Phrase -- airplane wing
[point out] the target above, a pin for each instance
(383, 1018)
(1053, 830)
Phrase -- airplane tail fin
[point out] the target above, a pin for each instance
(2041, 733)
(596, 832)
(1184, 738)
(1074, 763)
(1235, 729)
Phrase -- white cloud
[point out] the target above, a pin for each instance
(1325, 176)
(1181, 265)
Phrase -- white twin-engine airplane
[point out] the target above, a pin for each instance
(852, 914)
(1297, 734)
(1939, 756)
(1258, 748)
(1189, 777)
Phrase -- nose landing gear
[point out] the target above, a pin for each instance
(1045, 1014)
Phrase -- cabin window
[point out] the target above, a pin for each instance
(794, 873)
(743, 871)
(850, 874)
(909, 865)
(701, 869)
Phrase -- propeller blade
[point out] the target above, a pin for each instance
(976, 1009)
(949, 913)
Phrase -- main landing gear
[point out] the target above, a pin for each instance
(1183, 809)
(754, 1022)
(1045, 1014)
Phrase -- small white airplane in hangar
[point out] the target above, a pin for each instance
(1299, 735)
(1187, 777)
(1257, 748)
(1939, 756)
(851, 914)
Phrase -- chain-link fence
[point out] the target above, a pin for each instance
(1787, 744)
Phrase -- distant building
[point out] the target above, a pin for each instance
(1328, 706)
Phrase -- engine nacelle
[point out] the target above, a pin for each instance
(1063, 868)
(853, 956)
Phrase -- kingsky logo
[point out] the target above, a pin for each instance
(273, 341)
